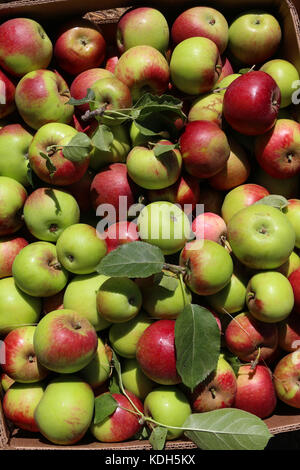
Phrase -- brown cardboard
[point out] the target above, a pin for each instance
(285, 418)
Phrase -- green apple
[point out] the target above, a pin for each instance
(165, 225)
(207, 107)
(118, 149)
(65, 411)
(5, 383)
(98, 370)
(163, 297)
(285, 75)
(169, 406)
(225, 83)
(119, 299)
(254, 37)
(48, 211)
(261, 236)
(292, 212)
(79, 249)
(80, 295)
(290, 265)
(16, 307)
(270, 297)
(135, 380)
(286, 379)
(124, 336)
(12, 196)
(231, 298)
(14, 144)
(37, 272)
(195, 65)
(240, 197)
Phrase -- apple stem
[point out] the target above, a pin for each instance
(97, 112)
(217, 90)
(173, 268)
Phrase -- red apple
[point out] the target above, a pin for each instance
(85, 80)
(204, 149)
(255, 391)
(294, 279)
(286, 379)
(9, 248)
(156, 352)
(111, 63)
(289, 333)
(7, 96)
(251, 103)
(240, 197)
(278, 151)
(119, 233)
(210, 226)
(80, 46)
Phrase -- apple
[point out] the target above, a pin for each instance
(118, 150)
(236, 170)
(152, 172)
(85, 287)
(231, 299)
(16, 307)
(290, 265)
(208, 266)
(165, 225)
(222, 85)
(288, 188)
(163, 297)
(7, 96)
(270, 297)
(53, 302)
(41, 97)
(5, 382)
(98, 370)
(294, 279)
(24, 46)
(81, 191)
(10, 246)
(261, 237)
(278, 151)
(217, 390)
(286, 375)
(210, 226)
(292, 211)
(119, 233)
(241, 197)
(21, 363)
(195, 65)
(289, 333)
(255, 391)
(79, 249)
(207, 107)
(226, 68)
(204, 148)
(13, 196)
(250, 339)
(20, 402)
(65, 411)
(15, 138)
(156, 354)
(254, 37)
(85, 80)
(211, 199)
(169, 406)
(134, 380)
(142, 26)
(111, 63)
(47, 276)
(251, 103)
(185, 192)
(143, 69)
(124, 337)
(64, 341)
(122, 424)
(285, 74)
(79, 46)
(48, 211)
(204, 22)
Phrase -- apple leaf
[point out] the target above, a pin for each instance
(78, 148)
(232, 360)
(197, 341)
(135, 259)
(50, 193)
(274, 200)
(143, 434)
(149, 104)
(49, 165)
(114, 384)
(158, 437)
(169, 283)
(147, 132)
(103, 138)
(227, 429)
(90, 96)
(105, 405)
(160, 149)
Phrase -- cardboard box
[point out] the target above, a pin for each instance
(285, 418)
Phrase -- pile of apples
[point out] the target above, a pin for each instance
(73, 156)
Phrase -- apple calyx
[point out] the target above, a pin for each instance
(31, 358)
(55, 264)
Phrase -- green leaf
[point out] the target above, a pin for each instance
(136, 259)
(147, 132)
(232, 360)
(143, 434)
(114, 384)
(274, 200)
(227, 429)
(49, 192)
(49, 165)
(30, 175)
(161, 149)
(78, 148)
(149, 103)
(169, 283)
(105, 405)
(90, 96)
(103, 138)
(158, 437)
(197, 341)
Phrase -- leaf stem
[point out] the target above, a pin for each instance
(173, 268)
